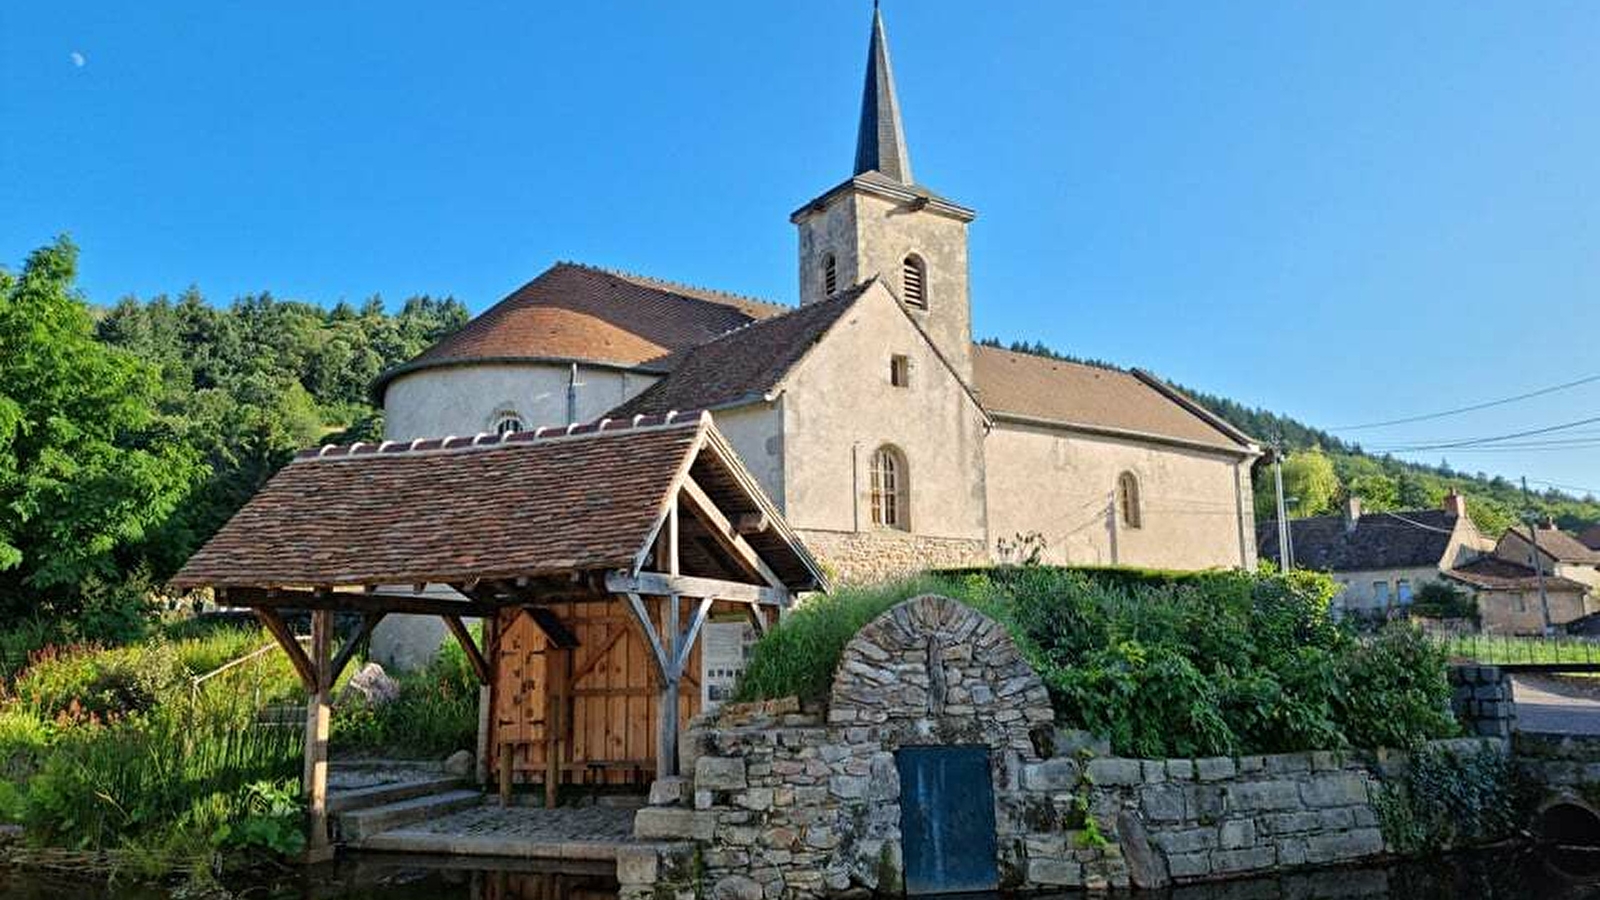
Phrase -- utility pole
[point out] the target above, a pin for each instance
(1285, 549)
(1538, 564)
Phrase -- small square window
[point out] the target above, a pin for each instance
(899, 370)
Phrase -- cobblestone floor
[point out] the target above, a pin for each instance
(533, 824)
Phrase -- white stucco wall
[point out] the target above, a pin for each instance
(756, 433)
(465, 399)
(1195, 506)
(839, 407)
(1358, 589)
(871, 235)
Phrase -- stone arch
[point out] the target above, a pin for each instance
(933, 670)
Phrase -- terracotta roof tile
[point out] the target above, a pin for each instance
(428, 511)
(1071, 393)
(743, 363)
(1493, 573)
(1563, 547)
(579, 312)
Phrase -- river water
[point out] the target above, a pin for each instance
(1501, 875)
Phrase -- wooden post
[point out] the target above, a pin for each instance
(558, 666)
(671, 679)
(491, 649)
(318, 849)
(506, 750)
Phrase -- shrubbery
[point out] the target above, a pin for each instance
(436, 713)
(1163, 664)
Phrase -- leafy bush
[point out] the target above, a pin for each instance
(1442, 600)
(1394, 690)
(1451, 799)
(798, 657)
(1161, 663)
(270, 817)
(24, 740)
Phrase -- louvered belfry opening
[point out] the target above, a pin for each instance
(830, 275)
(913, 281)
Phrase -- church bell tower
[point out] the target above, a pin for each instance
(881, 224)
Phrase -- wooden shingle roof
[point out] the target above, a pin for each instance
(584, 499)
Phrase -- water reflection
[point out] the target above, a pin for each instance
(1509, 875)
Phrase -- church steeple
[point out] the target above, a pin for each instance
(881, 142)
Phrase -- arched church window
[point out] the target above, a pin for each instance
(830, 275)
(889, 483)
(1128, 500)
(914, 281)
(507, 421)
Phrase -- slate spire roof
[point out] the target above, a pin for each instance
(881, 142)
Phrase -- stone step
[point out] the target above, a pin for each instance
(352, 799)
(358, 824)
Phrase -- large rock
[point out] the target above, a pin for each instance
(458, 764)
(372, 686)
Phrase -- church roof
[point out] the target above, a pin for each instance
(881, 141)
(742, 365)
(581, 313)
(1053, 391)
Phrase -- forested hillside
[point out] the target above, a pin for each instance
(128, 434)
(1322, 470)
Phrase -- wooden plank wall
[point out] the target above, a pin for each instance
(612, 700)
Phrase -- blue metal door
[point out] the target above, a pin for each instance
(947, 819)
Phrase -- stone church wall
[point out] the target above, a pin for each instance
(870, 556)
(778, 805)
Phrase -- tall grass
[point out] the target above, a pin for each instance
(175, 771)
(799, 656)
(436, 713)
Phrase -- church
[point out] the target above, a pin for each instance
(889, 440)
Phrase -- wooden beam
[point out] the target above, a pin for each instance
(652, 637)
(347, 601)
(297, 657)
(552, 626)
(348, 651)
(751, 523)
(659, 584)
(726, 533)
(480, 666)
(315, 781)
(685, 642)
(758, 618)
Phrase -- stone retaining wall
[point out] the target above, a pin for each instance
(782, 805)
(1483, 700)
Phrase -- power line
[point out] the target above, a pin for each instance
(1466, 409)
(1472, 442)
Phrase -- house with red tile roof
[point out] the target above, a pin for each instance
(887, 438)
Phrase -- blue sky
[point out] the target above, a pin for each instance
(1346, 212)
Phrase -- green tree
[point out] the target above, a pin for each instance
(85, 473)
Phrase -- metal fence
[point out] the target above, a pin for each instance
(1505, 650)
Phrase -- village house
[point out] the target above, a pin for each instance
(885, 435)
(1508, 596)
(1380, 560)
(1559, 554)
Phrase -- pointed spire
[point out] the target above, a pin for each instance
(881, 143)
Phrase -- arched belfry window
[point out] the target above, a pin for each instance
(1128, 500)
(914, 281)
(507, 421)
(889, 483)
(830, 275)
